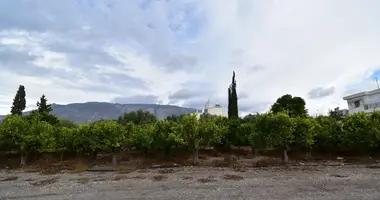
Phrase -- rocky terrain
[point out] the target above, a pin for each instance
(93, 111)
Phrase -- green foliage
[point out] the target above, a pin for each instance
(67, 123)
(233, 99)
(42, 106)
(277, 129)
(294, 106)
(142, 137)
(19, 102)
(286, 126)
(165, 136)
(358, 132)
(305, 131)
(138, 118)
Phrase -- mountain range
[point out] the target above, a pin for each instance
(93, 111)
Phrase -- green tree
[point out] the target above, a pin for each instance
(279, 129)
(294, 106)
(358, 134)
(259, 139)
(165, 136)
(19, 102)
(42, 106)
(108, 135)
(138, 118)
(197, 133)
(84, 140)
(304, 132)
(27, 135)
(232, 99)
(329, 134)
(67, 123)
(141, 137)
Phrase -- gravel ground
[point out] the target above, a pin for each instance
(303, 183)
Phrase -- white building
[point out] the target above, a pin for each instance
(217, 110)
(363, 102)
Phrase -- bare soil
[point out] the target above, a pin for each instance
(247, 177)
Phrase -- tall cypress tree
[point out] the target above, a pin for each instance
(42, 105)
(19, 102)
(232, 99)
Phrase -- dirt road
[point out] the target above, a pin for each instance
(303, 183)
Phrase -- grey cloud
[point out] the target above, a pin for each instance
(108, 22)
(255, 68)
(238, 52)
(81, 53)
(192, 89)
(138, 99)
(243, 95)
(180, 62)
(182, 94)
(21, 63)
(320, 92)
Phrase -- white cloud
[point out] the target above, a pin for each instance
(275, 47)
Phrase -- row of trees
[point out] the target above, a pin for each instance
(357, 133)
(286, 126)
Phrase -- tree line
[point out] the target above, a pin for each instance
(285, 127)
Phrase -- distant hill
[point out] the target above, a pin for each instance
(94, 111)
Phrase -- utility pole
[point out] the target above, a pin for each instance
(377, 82)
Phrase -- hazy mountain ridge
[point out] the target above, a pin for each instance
(94, 111)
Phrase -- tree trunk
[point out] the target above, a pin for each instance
(285, 158)
(256, 153)
(114, 160)
(23, 160)
(167, 152)
(94, 154)
(195, 156)
(145, 153)
(308, 154)
(61, 157)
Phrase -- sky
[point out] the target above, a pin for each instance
(183, 52)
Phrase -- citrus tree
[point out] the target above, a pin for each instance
(197, 133)
(165, 136)
(21, 134)
(280, 128)
(304, 132)
(141, 137)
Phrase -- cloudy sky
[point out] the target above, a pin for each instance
(183, 52)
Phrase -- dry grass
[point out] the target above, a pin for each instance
(159, 178)
(11, 178)
(81, 180)
(233, 177)
(125, 170)
(45, 182)
(79, 168)
(207, 179)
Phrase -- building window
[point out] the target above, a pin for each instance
(365, 107)
(357, 104)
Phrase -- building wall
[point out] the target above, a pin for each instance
(367, 103)
(217, 111)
